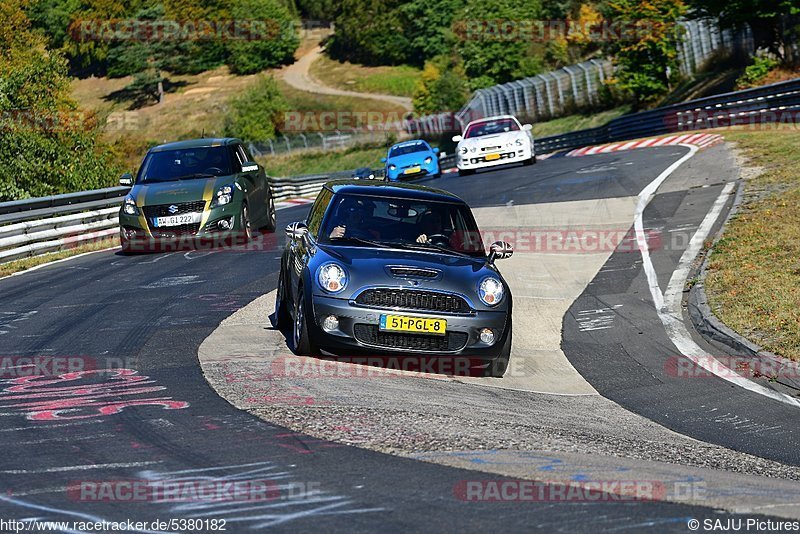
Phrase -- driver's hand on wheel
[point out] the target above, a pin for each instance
(422, 239)
(337, 232)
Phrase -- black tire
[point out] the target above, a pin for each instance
(245, 224)
(497, 367)
(271, 218)
(530, 161)
(466, 172)
(302, 344)
(283, 319)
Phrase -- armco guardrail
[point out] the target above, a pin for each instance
(779, 102)
(40, 225)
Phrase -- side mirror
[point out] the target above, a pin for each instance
(457, 138)
(126, 179)
(296, 231)
(249, 166)
(383, 160)
(500, 250)
(442, 155)
(527, 127)
(436, 150)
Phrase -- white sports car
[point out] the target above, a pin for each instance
(493, 141)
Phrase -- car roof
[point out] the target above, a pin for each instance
(196, 143)
(394, 190)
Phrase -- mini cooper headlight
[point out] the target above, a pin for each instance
(129, 206)
(490, 291)
(224, 196)
(332, 277)
(463, 150)
(392, 167)
(428, 160)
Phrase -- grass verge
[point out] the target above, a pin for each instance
(24, 264)
(313, 162)
(571, 123)
(753, 281)
(399, 80)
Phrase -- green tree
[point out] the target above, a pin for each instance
(46, 145)
(775, 23)
(646, 61)
(491, 58)
(257, 114)
(441, 87)
(279, 46)
(370, 32)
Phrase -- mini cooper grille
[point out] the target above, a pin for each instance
(162, 210)
(371, 335)
(413, 272)
(413, 299)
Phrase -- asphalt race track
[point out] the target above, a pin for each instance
(143, 410)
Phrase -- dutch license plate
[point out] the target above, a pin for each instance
(492, 157)
(419, 325)
(177, 220)
(412, 170)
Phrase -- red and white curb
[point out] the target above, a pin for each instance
(699, 140)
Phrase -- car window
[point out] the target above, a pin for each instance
(244, 153)
(491, 127)
(237, 159)
(318, 212)
(394, 221)
(400, 150)
(185, 163)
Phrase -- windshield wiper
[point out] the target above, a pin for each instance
(195, 175)
(432, 247)
(353, 239)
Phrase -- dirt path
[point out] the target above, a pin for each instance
(297, 75)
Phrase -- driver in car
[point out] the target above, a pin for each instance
(431, 224)
(352, 216)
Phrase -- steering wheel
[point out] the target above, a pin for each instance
(214, 170)
(439, 239)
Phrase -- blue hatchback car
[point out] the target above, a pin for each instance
(411, 159)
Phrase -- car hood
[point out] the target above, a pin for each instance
(372, 267)
(178, 191)
(493, 139)
(415, 158)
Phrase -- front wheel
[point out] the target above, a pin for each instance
(283, 319)
(245, 224)
(303, 345)
(271, 218)
(530, 161)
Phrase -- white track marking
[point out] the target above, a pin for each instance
(75, 468)
(669, 306)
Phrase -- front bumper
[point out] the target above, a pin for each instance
(463, 331)
(428, 169)
(138, 233)
(476, 160)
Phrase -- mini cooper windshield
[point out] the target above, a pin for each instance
(182, 164)
(402, 223)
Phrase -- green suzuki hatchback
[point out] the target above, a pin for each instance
(196, 191)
